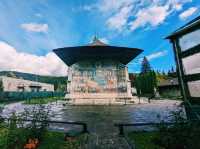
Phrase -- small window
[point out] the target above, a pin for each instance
(191, 64)
(194, 88)
(190, 40)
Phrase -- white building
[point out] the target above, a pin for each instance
(21, 85)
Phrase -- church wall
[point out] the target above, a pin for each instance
(103, 78)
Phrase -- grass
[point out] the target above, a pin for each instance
(5, 102)
(31, 101)
(55, 140)
(42, 100)
(143, 140)
(3, 134)
(52, 140)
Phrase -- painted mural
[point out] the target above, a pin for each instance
(98, 77)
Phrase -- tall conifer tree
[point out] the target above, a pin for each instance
(1, 86)
(146, 81)
(145, 66)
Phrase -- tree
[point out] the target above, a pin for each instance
(154, 77)
(172, 69)
(1, 86)
(145, 66)
(158, 72)
(172, 73)
(163, 73)
(138, 85)
(146, 81)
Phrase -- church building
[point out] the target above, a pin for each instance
(98, 73)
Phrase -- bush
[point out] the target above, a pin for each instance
(16, 137)
(37, 113)
(19, 131)
(181, 135)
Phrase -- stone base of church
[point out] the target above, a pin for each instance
(103, 99)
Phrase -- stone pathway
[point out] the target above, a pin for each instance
(110, 141)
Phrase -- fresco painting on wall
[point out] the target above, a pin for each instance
(99, 78)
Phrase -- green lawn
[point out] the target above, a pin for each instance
(3, 134)
(55, 140)
(52, 140)
(143, 140)
(42, 100)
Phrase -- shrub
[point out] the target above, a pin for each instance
(16, 137)
(19, 131)
(182, 135)
(39, 116)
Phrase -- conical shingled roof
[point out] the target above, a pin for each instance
(97, 50)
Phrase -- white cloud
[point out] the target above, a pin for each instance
(154, 16)
(150, 57)
(119, 20)
(35, 27)
(187, 13)
(11, 59)
(113, 5)
(157, 13)
(133, 14)
(88, 7)
(156, 55)
(176, 4)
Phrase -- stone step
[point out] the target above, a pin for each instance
(100, 102)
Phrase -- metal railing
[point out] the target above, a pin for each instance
(122, 125)
(84, 125)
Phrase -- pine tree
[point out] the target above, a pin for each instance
(146, 81)
(155, 82)
(169, 73)
(1, 86)
(145, 66)
(172, 69)
(163, 73)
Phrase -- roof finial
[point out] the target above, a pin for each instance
(97, 42)
(95, 37)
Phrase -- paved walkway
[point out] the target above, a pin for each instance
(106, 141)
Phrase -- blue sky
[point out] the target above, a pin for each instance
(29, 30)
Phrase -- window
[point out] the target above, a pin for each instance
(194, 88)
(20, 89)
(191, 64)
(190, 40)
